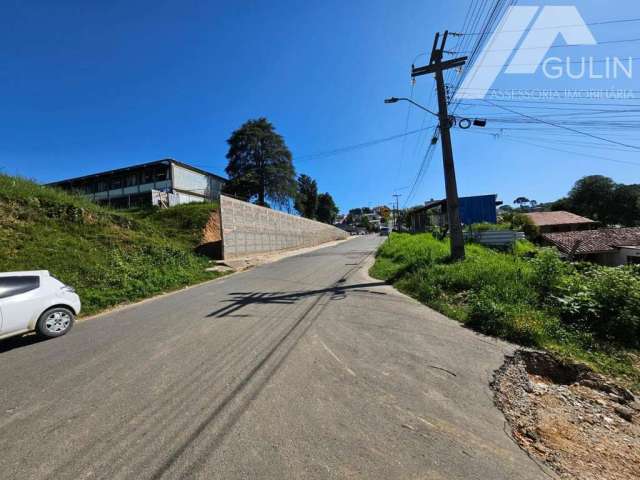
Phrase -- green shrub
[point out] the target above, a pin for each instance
(548, 271)
(108, 256)
(486, 226)
(522, 222)
(517, 322)
(604, 301)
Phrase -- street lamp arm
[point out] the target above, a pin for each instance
(395, 99)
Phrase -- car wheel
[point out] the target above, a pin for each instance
(55, 322)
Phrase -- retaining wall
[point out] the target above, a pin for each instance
(249, 229)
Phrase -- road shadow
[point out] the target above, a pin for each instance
(19, 342)
(239, 300)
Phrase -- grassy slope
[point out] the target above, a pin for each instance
(497, 294)
(110, 257)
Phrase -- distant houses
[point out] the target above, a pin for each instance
(606, 246)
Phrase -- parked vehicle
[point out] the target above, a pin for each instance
(36, 301)
(384, 231)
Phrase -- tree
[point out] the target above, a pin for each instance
(306, 196)
(327, 209)
(593, 197)
(626, 199)
(260, 164)
(520, 201)
(600, 198)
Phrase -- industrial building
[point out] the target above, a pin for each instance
(474, 209)
(164, 182)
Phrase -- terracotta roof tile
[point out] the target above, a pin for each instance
(594, 241)
(556, 218)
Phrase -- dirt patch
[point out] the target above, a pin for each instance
(211, 243)
(576, 421)
(212, 231)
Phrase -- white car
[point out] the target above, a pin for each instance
(36, 301)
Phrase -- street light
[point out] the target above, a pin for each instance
(395, 100)
(477, 122)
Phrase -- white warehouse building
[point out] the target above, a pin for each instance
(164, 182)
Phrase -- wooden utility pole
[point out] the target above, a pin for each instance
(396, 212)
(437, 67)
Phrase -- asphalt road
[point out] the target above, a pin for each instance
(305, 368)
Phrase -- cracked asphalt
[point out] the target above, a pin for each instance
(305, 368)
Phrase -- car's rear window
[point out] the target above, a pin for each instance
(10, 286)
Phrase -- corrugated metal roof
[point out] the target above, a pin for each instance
(137, 166)
(595, 241)
(542, 219)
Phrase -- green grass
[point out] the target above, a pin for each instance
(507, 295)
(110, 257)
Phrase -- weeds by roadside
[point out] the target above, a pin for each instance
(587, 313)
(109, 256)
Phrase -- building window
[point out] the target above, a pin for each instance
(132, 180)
(161, 174)
(147, 176)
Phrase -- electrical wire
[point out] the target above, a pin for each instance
(564, 127)
(590, 24)
(358, 146)
(605, 42)
(572, 152)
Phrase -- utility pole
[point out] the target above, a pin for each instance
(437, 67)
(396, 211)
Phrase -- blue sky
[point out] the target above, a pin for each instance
(88, 86)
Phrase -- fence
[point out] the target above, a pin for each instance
(249, 229)
(495, 238)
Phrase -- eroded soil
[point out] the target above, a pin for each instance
(577, 422)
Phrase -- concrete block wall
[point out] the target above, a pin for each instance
(249, 229)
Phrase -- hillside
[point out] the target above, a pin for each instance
(109, 256)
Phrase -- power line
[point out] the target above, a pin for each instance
(573, 152)
(541, 105)
(591, 24)
(358, 146)
(564, 127)
(508, 133)
(511, 91)
(606, 42)
(567, 62)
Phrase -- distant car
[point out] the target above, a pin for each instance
(384, 231)
(36, 301)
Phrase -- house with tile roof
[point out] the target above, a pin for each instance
(561, 221)
(606, 246)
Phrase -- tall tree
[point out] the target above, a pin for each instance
(521, 201)
(260, 165)
(306, 196)
(327, 209)
(593, 197)
(626, 199)
(601, 199)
